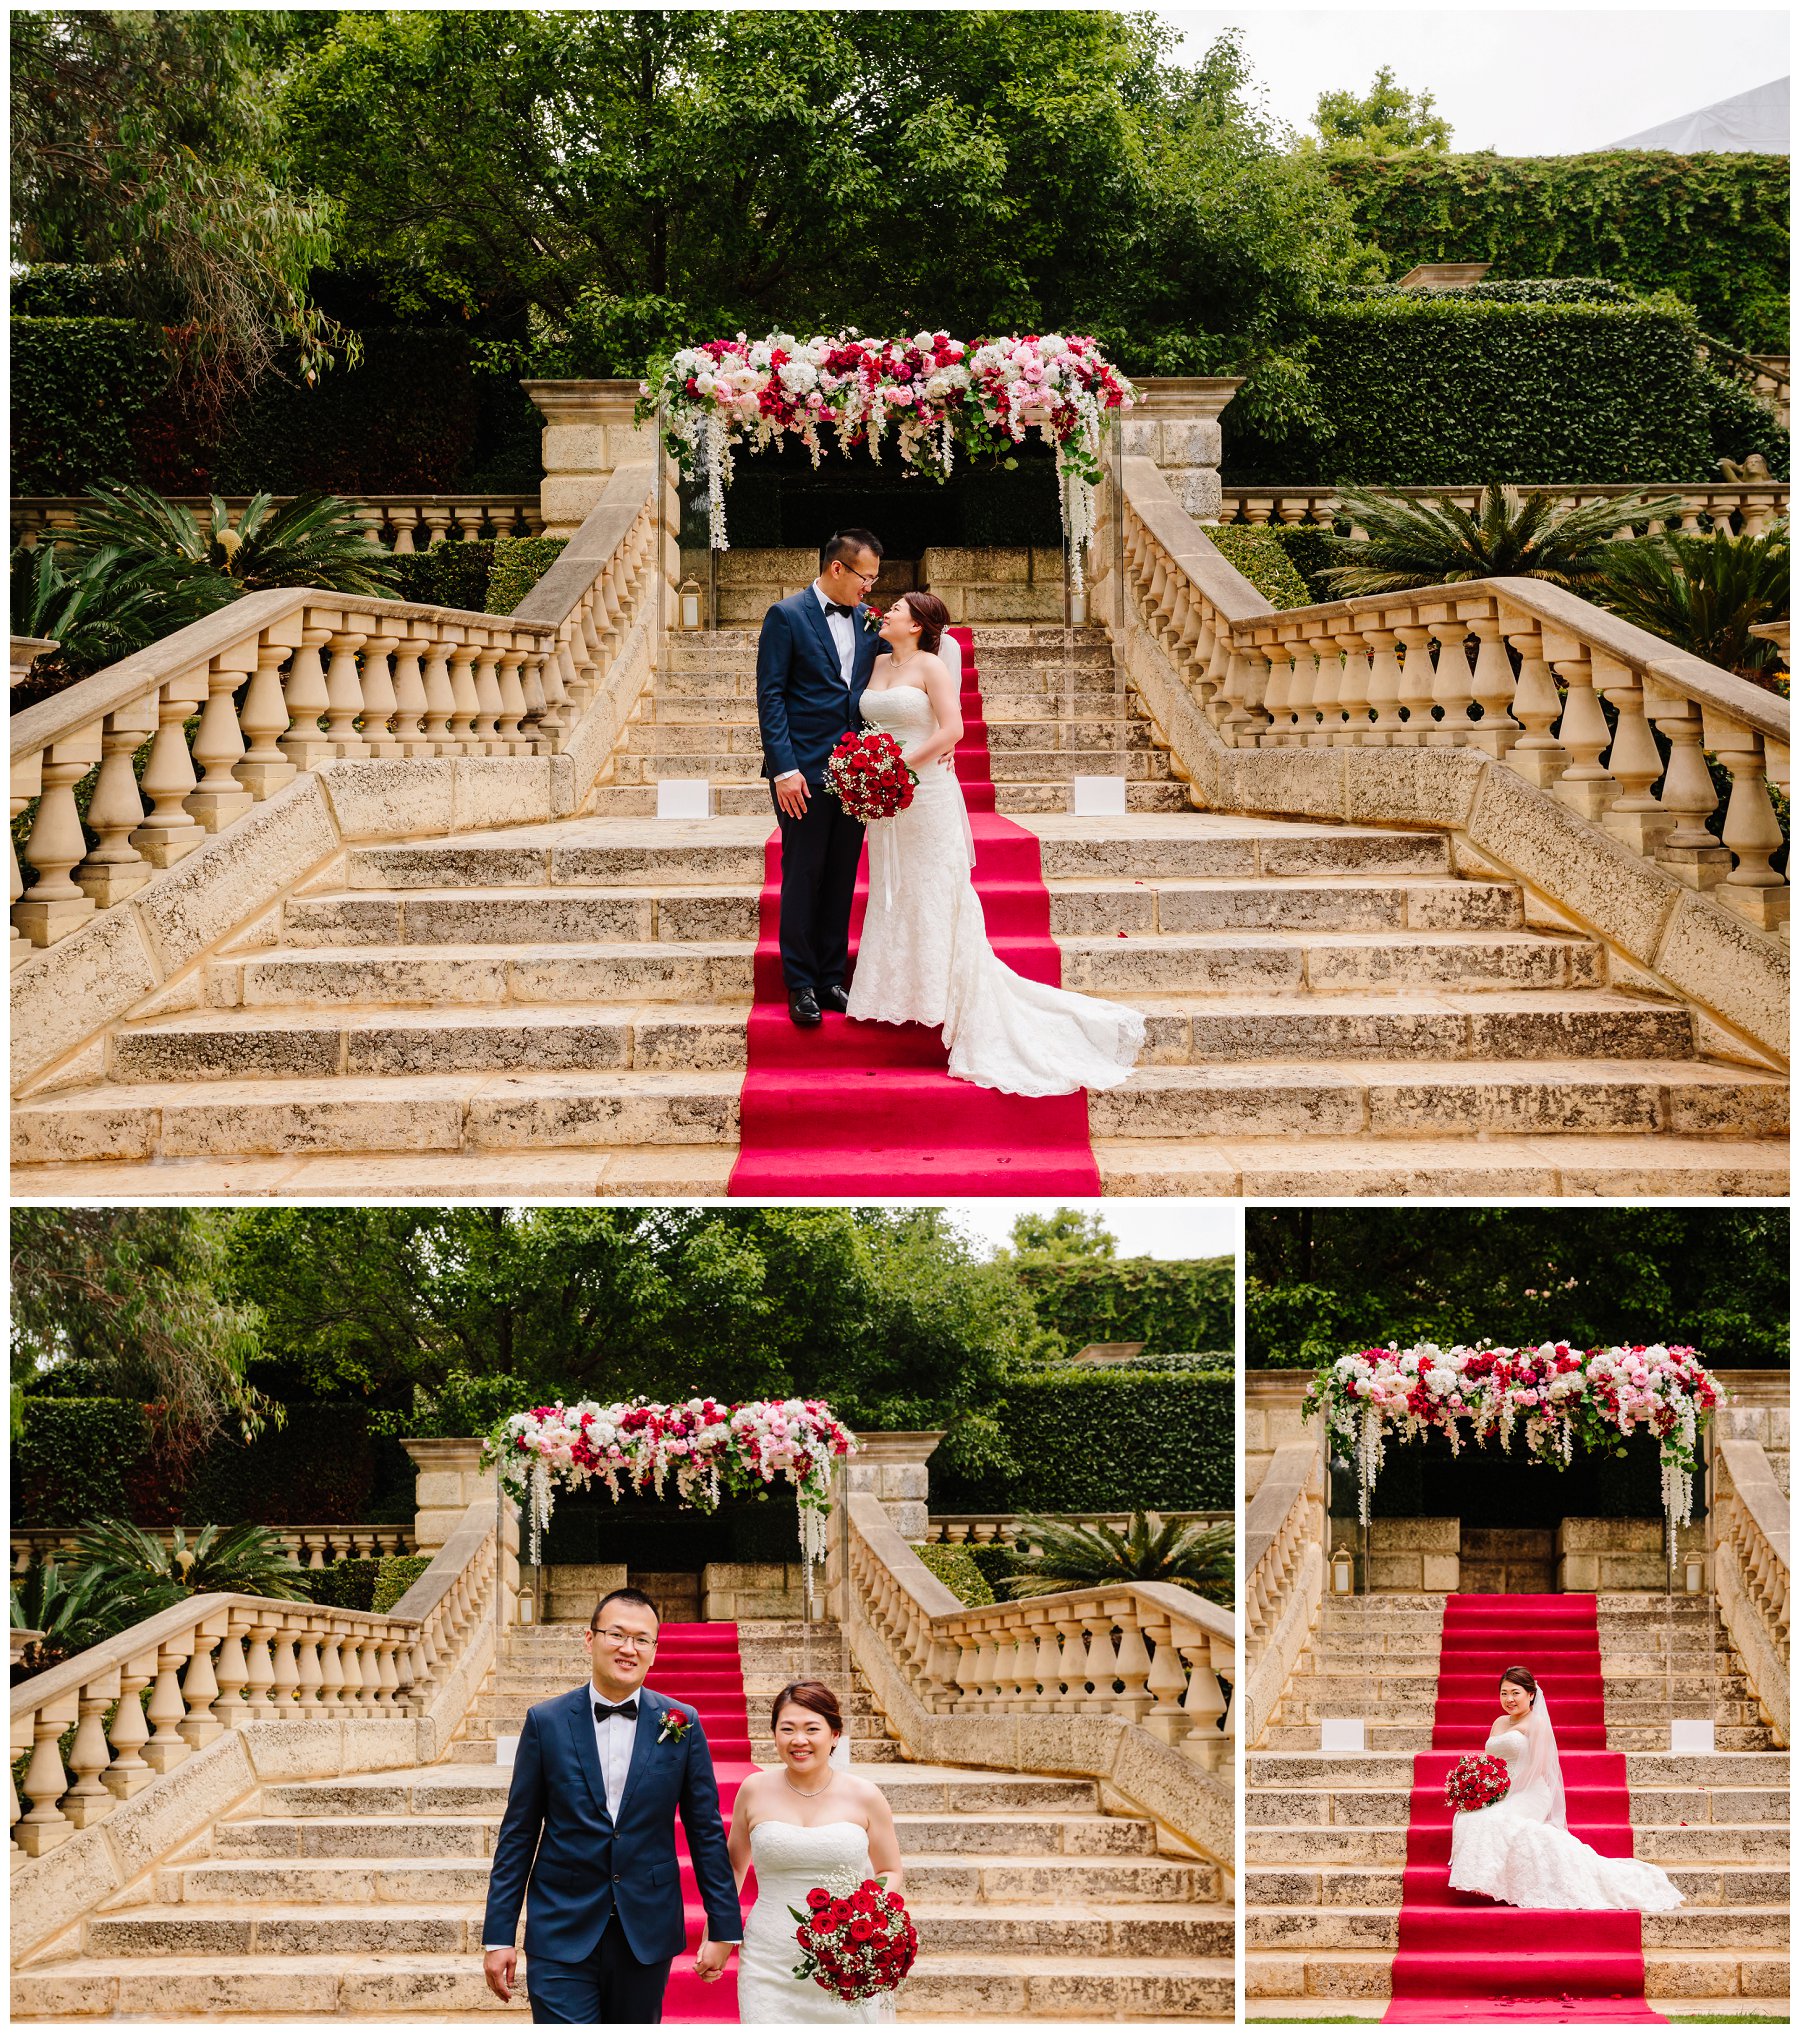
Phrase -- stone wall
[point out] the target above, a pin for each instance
(892, 1468)
(1758, 1408)
(975, 584)
(1271, 1419)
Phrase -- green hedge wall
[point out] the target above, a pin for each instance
(375, 1585)
(519, 563)
(450, 574)
(1170, 1305)
(1426, 392)
(956, 1569)
(85, 1458)
(398, 1574)
(1263, 559)
(79, 386)
(1107, 1440)
(1713, 228)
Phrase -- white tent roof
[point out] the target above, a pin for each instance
(1755, 121)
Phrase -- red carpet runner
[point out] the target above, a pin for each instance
(699, 1664)
(1463, 1956)
(859, 1109)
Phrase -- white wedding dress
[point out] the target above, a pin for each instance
(1520, 1851)
(924, 957)
(789, 1862)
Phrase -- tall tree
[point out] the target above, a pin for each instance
(1387, 119)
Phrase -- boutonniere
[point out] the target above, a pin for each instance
(872, 620)
(675, 1727)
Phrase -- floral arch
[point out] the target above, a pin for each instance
(932, 393)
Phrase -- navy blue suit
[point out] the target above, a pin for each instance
(804, 709)
(590, 1879)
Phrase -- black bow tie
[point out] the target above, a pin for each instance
(836, 607)
(602, 1710)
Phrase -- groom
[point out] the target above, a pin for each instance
(812, 662)
(590, 1821)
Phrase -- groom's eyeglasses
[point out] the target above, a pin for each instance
(614, 1637)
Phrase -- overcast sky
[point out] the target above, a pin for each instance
(1524, 81)
(1154, 1228)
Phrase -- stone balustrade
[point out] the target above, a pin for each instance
(237, 706)
(1509, 670)
(1746, 507)
(1750, 1525)
(986, 1529)
(1284, 1574)
(313, 1546)
(219, 1662)
(399, 522)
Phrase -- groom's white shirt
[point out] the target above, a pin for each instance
(843, 633)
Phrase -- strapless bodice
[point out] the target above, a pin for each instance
(904, 711)
(791, 1860)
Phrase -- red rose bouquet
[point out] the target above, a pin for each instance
(869, 777)
(856, 1947)
(1477, 1780)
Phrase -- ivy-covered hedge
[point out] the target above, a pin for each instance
(519, 563)
(84, 391)
(1262, 558)
(450, 574)
(957, 1570)
(398, 1574)
(85, 1458)
(1170, 1305)
(1107, 1440)
(1713, 228)
(376, 1584)
(1442, 391)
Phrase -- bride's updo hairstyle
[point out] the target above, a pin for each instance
(813, 1695)
(1523, 1677)
(932, 616)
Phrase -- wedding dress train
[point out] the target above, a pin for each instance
(789, 1862)
(1520, 1850)
(924, 956)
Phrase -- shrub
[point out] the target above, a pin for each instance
(346, 1585)
(519, 563)
(447, 575)
(1586, 289)
(1713, 228)
(1737, 425)
(1263, 560)
(77, 1459)
(1440, 391)
(70, 289)
(958, 1572)
(995, 1561)
(78, 385)
(398, 1574)
(1167, 1304)
(1108, 1440)
(1309, 550)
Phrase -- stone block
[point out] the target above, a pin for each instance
(1419, 787)
(501, 791)
(279, 1751)
(50, 1891)
(1579, 1572)
(146, 1828)
(1396, 1571)
(1197, 492)
(431, 1528)
(69, 991)
(1415, 1535)
(977, 566)
(911, 1519)
(388, 798)
(439, 1488)
(1708, 952)
(1199, 442)
(1441, 1571)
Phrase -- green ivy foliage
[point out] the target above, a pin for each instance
(449, 574)
(1713, 228)
(1737, 425)
(519, 563)
(1308, 549)
(1170, 1305)
(397, 1575)
(70, 289)
(957, 1570)
(78, 386)
(76, 1459)
(1443, 391)
(1262, 558)
(345, 1585)
(1108, 1440)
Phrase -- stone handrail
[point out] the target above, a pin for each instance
(982, 1529)
(400, 522)
(1365, 710)
(1120, 1683)
(1750, 1565)
(218, 1663)
(403, 682)
(1749, 506)
(1284, 1563)
(305, 1546)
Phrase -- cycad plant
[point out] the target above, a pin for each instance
(246, 1560)
(1512, 535)
(73, 1609)
(313, 540)
(1704, 594)
(96, 611)
(1066, 1555)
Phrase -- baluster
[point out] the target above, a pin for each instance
(1071, 1629)
(1207, 1741)
(310, 1672)
(200, 1690)
(350, 1694)
(44, 1825)
(1634, 761)
(343, 693)
(264, 769)
(549, 715)
(409, 693)
(259, 1668)
(1133, 1664)
(113, 869)
(1303, 694)
(1243, 720)
(129, 1769)
(1276, 692)
(229, 1670)
(305, 744)
(1043, 1682)
(387, 1676)
(88, 1799)
(440, 699)
(1353, 688)
(167, 1747)
(1418, 686)
(171, 830)
(1166, 1684)
(488, 702)
(1536, 755)
(436, 519)
(285, 1666)
(55, 904)
(1751, 831)
(1328, 674)
(404, 518)
(514, 704)
(219, 797)
(461, 731)
(1384, 687)
(380, 697)
(1586, 784)
(987, 1669)
(1689, 852)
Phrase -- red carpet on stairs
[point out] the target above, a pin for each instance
(1463, 1956)
(868, 1109)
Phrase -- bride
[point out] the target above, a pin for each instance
(924, 956)
(1519, 1850)
(810, 1823)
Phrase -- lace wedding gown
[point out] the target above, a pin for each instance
(1514, 1852)
(789, 1862)
(924, 956)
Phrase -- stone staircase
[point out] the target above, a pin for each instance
(1325, 1836)
(560, 1009)
(363, 1897)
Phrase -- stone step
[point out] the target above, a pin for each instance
(1177, 904)
(662, 852)
(1038, 765)
(1625, 1694)
(999, 645)
(672, 741)
(1334, 1887)
(1025, 690)
(512, 917)
(1549, 1166)
(1231, 844)
(1277, 1770)
(1344, 1977)
(1700, 1928)
(588, 970)
(1383, 1843)
(740, 800)
(1331, 1804)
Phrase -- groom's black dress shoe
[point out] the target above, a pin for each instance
(834, 996)
(803, 1008)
